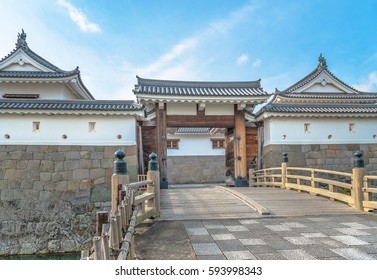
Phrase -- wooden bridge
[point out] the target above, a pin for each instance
(274, 192)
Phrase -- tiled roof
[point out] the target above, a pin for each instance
(330, 95)
(22, 44)
(322, 67)
(193, 130)
(56, 72)
(86, 105)
(36, 74)
(318, 109)
(197, 88)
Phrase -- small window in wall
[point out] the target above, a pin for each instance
(36, 126)
(172, 143)
(306, 127)
(352, 128)
(92, 127)
(217, 143)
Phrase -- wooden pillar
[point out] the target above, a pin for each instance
(118, 179)
(358, 173)
(240, 164)
(161, 140)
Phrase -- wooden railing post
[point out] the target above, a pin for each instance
(284, 170)
(358, 173)
(154, 175)
(118, 179)
(251, 172)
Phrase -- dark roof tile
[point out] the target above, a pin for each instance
(86, 105)
(197, 88)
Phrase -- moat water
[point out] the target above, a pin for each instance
(66, 256)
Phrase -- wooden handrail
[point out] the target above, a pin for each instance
(350, 188)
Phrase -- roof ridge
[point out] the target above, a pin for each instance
(159, 82)
(321, 67)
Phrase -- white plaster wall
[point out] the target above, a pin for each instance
(195, 145)
(326, 88)
(181, 109)
(20, 129)
(320, 129)
(219, 109)
(45, 90)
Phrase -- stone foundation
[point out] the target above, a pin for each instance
(196, 169)
(49, 195)
(338, 157)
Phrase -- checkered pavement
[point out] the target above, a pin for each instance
(351, 237)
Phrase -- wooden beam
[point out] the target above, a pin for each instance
(200, 121)
(240, 165)
(161, 140)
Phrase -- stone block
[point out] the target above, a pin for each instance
(57, 157)
(17, 155)
(33, 175)
(109, 163)
(80, 174)
(46, 166)
(85, 154)
(96, 173)
(7, 195)
(100, 193)
(73, 185)
(22, 164)
(20, 174)
(306, 148)
(96, 163)
(59, 166)
(44, 195)
(49, 186)
(72, 155)
(85, 163)
(45, 176)
(61, 186)
(67, 175)
(86, 184)
(108, 152)
(96, 155)
(38, 185)
(33, 165)
(56, 177)
(9, 174)
(26, 184)
(71, 165)
(38, 156)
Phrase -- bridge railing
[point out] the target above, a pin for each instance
(131, 204)
(356, 189)
(370, 188)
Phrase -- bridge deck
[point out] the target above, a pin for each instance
(185, 203)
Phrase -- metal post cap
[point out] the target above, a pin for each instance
(120, 154)
(120, 165)
(285, 157)
(153, 163)
(251, 166)
(359, 161)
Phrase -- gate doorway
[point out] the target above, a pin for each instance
(223, 109)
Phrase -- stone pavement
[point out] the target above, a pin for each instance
(352, 237)
(216, 223)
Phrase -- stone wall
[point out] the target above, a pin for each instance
(196, 169)
(49, 195)
(338, 157)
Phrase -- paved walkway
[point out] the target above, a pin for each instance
(326, 230)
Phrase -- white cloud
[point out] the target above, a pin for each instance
(257, 63)
(181, 61)
(79, 17)
(368, 85)
(243, 59)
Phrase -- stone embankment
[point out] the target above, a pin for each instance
(49, 195)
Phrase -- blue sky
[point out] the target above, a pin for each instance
(213, 40)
